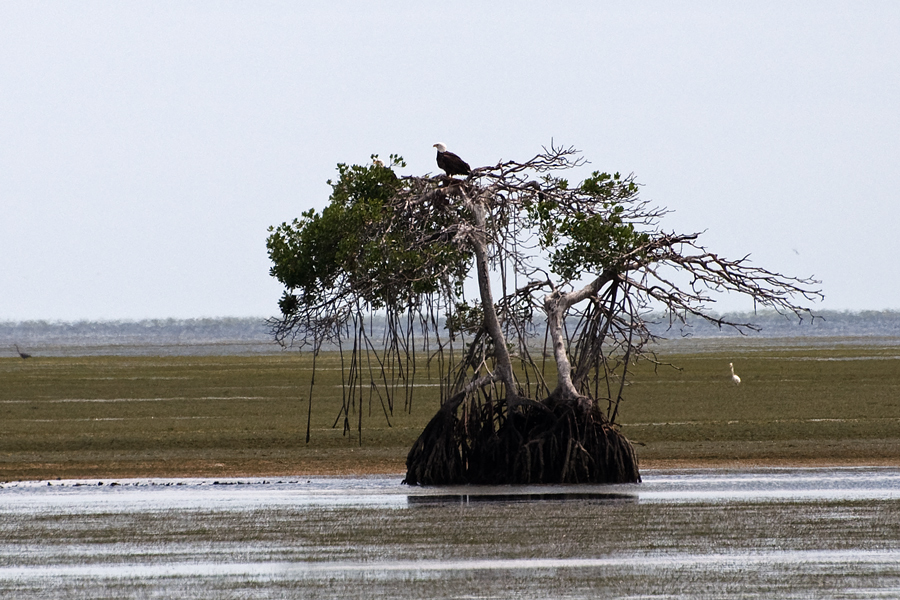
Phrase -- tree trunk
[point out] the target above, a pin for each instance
(556, 307)
(491, 321)
(563, 439)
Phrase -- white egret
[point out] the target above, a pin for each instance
(734, 378)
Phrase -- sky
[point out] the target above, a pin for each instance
(146, 147)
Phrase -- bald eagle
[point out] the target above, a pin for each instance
(451, 163)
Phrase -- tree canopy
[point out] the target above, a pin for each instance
(566, 272)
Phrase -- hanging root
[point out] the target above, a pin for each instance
(554, 442)
(436, 455)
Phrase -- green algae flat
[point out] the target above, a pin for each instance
(95, 416)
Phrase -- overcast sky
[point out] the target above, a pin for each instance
(145, 147)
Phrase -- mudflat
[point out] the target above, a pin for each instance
(215, 416)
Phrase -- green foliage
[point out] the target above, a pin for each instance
(595, 243)
(364, 245)
(465, 318)
(592, 234)
(609, 188)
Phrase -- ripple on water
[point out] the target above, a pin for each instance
(700, 533)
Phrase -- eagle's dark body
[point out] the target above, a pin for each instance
(451, 163)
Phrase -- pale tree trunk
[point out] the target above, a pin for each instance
(503, 370)
(557, 305)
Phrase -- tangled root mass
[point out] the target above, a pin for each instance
(554, 441)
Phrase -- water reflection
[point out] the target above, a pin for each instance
(475, 497)
(696, 534)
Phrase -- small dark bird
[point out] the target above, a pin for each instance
(22, 354)
(451, 163)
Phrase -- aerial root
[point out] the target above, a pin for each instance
(562, 445)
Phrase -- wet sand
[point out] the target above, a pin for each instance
(760, 533)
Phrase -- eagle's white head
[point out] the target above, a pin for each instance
(440, 147)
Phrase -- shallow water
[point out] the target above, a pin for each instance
(696, 534)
